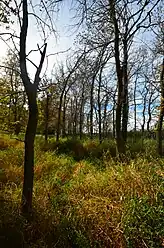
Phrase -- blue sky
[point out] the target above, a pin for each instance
(61, 42)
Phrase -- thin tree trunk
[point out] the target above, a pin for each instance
(71, 118)
(75, 120)
(113, 118)
(125, 90)
(143, 112)
(81, 113)
(46, 117)
(113, 114)
(135, 108)
(88, 124)
(91, 106)
(143, 115)
(99, 106)
(149, 113)
(59, 118)
(161, 115)
(105, 118)
(64, 117)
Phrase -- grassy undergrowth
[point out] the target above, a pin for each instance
(83, 196)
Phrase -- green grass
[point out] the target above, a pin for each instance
(83, 196)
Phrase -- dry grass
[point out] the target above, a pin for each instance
(78, 204)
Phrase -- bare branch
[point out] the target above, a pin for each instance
(37, 78)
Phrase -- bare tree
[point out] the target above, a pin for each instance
(31, 91)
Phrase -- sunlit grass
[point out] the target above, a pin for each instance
(78, 204)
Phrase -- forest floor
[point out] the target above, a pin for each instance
(83, 196)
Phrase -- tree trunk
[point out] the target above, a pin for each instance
(75, 119)
(29, 154)
(113, 117)
(81, 113)
(99, 106)
(31, 91)
(71, 119)
(135, 108)
(119, 137)
(105, 118)
(161, 115)
(64, 117)
(59, 118)
(46, 117)
(143, 115)
(149, 113)
(143, 112)
(125, 90)
(91, 106)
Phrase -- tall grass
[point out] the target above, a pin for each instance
(83, 196)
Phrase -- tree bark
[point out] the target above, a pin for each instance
(149, 112)
(135, 107)
(113, 118)
(161, 115)
(91, 106)
(75, 119)
(105, 117)
(31, 91)
(119, 137)
(59, 117)
(29, 153)
(46, 117)
(125, 109)
(143, 112)
(64, 117)
(81, 113)
(99, 106)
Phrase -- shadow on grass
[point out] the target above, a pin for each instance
(16, 232)
(11, 225)
(78, 150)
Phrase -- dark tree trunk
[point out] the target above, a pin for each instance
(99, 106)
(143, 115)
(91, 106)
(143, 112)
(105, 118)
(149, 113)
(161, 115)
(29, 154)
(135, 109)
(31, 91)
(88, 123)
(75, 119)
(46, 117)
(113, 114)
(64, 117)
(71, 119)
(59, 118)
(113, 118)
(81, 113)
(119, 137)
(125, 109)
(135, 106)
